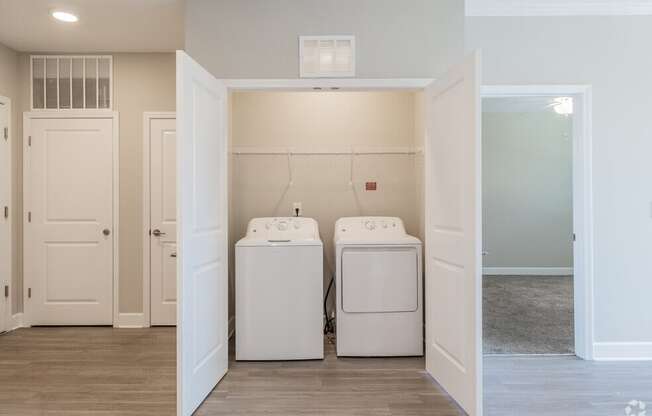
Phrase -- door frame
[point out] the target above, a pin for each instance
(346, 84)
(148, 116)
(8, 321)
(99, 114)
(583, 302)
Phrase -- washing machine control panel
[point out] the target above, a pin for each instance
(283, 228)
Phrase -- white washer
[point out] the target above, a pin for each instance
(379, 288)
(279, 290)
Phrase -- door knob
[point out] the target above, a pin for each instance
(106, 231)
(157, 233)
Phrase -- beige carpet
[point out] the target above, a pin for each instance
(528, 314)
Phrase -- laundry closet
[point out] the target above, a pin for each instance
(329, 154)
(277, 176)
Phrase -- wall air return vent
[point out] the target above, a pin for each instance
(72, 82)
(326, 56)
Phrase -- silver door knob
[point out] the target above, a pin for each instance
(106, 231)
(157, 233)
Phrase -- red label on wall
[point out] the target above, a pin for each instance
(370, 186)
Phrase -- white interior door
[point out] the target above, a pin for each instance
(202, 230)
(5, 219)
(453, 235)
(69, 231)
(163, 220)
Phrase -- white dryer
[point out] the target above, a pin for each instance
(279, 290)
(379, 288)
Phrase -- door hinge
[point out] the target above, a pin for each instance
(6, 130)
(29, 216)
(574, 237)
(29, 292)
(6, 211)
(6, 291)
(29, 140)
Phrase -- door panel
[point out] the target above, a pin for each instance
(453, 235)
(202, 320)
(68, 256)
(5, 220)
(163, 217)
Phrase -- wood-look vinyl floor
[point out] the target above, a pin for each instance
(332, 387)
(563, 386)
(75, 371)
(106, 371)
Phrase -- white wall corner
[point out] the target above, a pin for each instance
(527, 271)
(231, 326)
(131, 320)
(622, 351)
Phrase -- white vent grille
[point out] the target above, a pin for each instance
(71, 82)
(326, 56)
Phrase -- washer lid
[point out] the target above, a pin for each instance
(372, 230)
(281, 231)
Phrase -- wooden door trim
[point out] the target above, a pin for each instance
(114, 116)
(148, 116)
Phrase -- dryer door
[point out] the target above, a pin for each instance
(379, 279)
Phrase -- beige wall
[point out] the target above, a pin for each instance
(419, 142)
(259, 38)
(9, 87)
(142, 82)
(323, 120)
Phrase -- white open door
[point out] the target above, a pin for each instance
(202, 323)
(453, 235)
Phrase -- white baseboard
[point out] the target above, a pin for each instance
(231, 326)
(527, 271)
(16, 321)
(622, 351)
(130, 320)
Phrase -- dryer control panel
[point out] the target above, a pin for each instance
(361, 228)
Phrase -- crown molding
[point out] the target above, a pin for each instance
(558, 7)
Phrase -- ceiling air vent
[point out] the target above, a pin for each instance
(326, 56)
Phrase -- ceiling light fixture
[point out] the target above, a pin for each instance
(65, 16)
(563, 105)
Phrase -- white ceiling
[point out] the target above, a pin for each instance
(558, 7)
(104, 26)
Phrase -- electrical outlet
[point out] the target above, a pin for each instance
(297, 209)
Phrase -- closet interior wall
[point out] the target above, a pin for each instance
(320, 149)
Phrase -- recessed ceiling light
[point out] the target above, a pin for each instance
(563, 105)
(65, 16)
